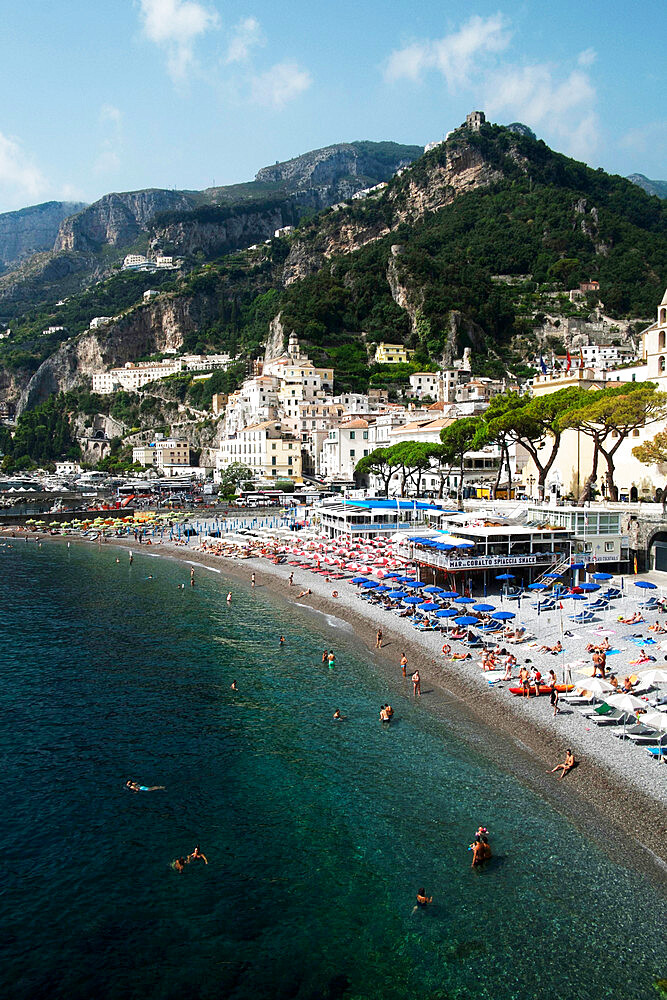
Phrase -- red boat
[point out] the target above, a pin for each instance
(544, 689)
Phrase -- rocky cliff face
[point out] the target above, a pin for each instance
(117, 219)
(31, 230)
(148, 329)
(325, 167)
(190, 235)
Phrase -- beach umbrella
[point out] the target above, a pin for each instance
(484, 607)
(433, 590)
(658, 675)
(369, 584)
(588, 587)
(602, 576)
(464, 600)
(537, 586)
(406, 579)
(503, 616)
(466, 620)
(657, 720)
(359, 580)
(577, 566)
(595, 685)
(412, 600)
(625, 702)
(505, 576)
(551, 576)
(428, 606)
(382, 590)
(464, 545)
(645, 585)
(447, 613)
(575, 597)
(449, 594)
(397, 595)
(415, 585)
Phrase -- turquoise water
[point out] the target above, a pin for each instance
(318, 834)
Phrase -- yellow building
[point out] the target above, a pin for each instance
(270, 451)
(392, 354)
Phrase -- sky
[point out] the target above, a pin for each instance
(117, 95)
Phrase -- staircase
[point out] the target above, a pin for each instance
(559, 566)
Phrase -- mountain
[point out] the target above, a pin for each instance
(474, 244)
(658, 188)
(521, 129)
(86, 246)
(30, 230)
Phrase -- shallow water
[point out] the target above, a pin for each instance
(318, 834)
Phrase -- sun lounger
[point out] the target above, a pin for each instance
(599, 605)
(582, 617)
(658, 753)
(613, 718)
(515, 595)
(651, 738)
(612, 593)
(650, 603)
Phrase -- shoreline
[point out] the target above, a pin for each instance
(509, 731)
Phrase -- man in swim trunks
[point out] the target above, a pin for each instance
(383, 714)
(378, 639)
(404, 665)
(566, 766)
(422, 899)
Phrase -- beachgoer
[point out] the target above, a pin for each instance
(192, 576)
(282, 640)
(524, 679)
(627, 685)
(197, 856)
(331, 659)
(325, 656)
(179, 864)
(553, 698)
(390, 712)
(613, 680)
(134, 786)
(337, 715)
(233, 686)
(131, 557)
(229, 597)
(566, 766)
(404, 665)
(291, 579)
(552, 679)
(383, 714)
(422, 900)
(378, 639)
(252, 580)
(117, 559)
(416, 684)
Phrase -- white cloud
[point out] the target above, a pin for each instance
(544, 98)
(454, 56)
(280, 84)
(111, 123)
(587, 57)
(175, 25)
(246, 35)
(21, 182)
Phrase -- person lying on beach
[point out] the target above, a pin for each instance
(602, 647)
(642, 658)
(566, 766)
(633, 619)
(551, 649)
(657, 628)
(461, 656)
(304, 593)
(134, 786)
(197, 856)
(459, 634)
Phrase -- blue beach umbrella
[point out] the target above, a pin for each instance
(464, 600)
(412, 600)
(503, 616)
(552, 576)
(382, 590)
(415, 584)
(449, 594)
(536, 586)
(405, 579)
(397, 595)
(465, 545)
(645, 585)
(466, 620)
(428, 606)
(446, 613)
(484, 607)
(602, 576)
(589, 587)
(576, 597)
(433, 590)
(369, 584)
(577, 566)
(505, 576)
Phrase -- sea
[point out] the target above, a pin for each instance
(317, 833)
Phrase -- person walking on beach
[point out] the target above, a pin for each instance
(553, 698)
(378, 639)
(291, 579)
(416, 684)
(404, 665)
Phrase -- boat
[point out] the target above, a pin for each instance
(544, 689)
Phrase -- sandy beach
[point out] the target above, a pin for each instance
(615, 781)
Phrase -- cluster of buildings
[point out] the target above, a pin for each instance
(161, 262)
(133, 376)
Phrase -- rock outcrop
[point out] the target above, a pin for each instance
(232, 231)
(118, 219)
(32, 230)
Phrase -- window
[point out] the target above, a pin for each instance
(365, 435)
(273, 446)
(352, 435)
(289, 460)
(273, 460)
(635, 433)
(661, 363)
(365, 451)
(351, 452)
(609, 546)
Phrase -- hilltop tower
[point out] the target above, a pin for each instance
(475, 120)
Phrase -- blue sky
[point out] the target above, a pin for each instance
(124, 94)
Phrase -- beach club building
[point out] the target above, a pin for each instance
(369, 518)
(477, 549)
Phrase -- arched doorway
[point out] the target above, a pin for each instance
(656, 551)
(634, 495)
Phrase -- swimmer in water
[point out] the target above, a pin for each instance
(229, 597)
(332, 659)
(282, 640)
(197, 856)
(117, 560)
(422, 900)
(134, 786)
(179, 865)
(233, 686)
(337, 716)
